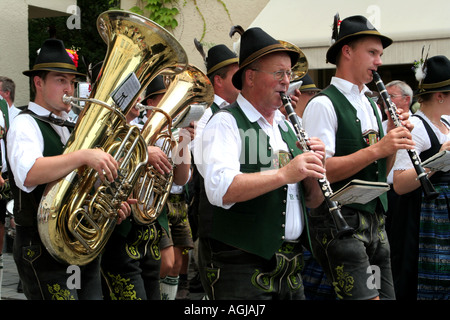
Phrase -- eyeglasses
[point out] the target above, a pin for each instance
(392, 96)
(278, 75)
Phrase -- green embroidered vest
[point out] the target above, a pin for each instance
(26, 204)
(349, 139)
(257, 225)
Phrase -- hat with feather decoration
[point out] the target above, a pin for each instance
(349, 29)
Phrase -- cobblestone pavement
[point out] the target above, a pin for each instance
(10, 280)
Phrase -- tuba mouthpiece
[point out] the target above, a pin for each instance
(67, 99)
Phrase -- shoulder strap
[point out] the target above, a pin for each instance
(50, 119)
(435, 145)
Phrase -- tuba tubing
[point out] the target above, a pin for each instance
(78, 212)
(152, 190)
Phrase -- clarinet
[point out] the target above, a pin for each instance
(428, 188)
(341, 225)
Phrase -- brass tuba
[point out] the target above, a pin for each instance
(77, 213)
(300, 69)
(191, 86)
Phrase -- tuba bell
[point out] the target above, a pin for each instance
(300, 69)
(78, 213)
(191, 86)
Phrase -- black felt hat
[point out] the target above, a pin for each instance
(349, 29)
(157, 86)
(308, 84)
(218, 57)
(437, 75)
(256, 43)
(53, 56)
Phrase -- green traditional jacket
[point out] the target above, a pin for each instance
(257, 225)
(349, 139)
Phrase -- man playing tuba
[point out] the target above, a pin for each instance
(35, 146)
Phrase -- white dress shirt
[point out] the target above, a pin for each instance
(12, 113)
(25, 143)
(221, 151)
(319, 117)
(422, 140)
(2, 146)
(201, 123)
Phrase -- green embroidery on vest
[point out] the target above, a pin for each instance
(58, 293)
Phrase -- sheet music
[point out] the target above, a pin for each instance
(126, 91)
(359, 191)
(193, 113)
(439, 162)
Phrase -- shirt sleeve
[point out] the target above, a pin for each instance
(320, 120)
(199, 130)
(24, 148)
(220, 152)
(420, 137)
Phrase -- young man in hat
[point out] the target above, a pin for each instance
(258, 215)
(422, 268)
(349, 123)
(35, 145)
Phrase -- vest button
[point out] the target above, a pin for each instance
(282, 237)
(283, 213)
(283, 225)
(284, 201)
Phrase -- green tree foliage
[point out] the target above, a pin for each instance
(163, 12)
(86, 40)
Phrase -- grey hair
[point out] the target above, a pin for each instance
(403, 86)
(8, 85)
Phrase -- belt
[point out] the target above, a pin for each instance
(176, 197)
